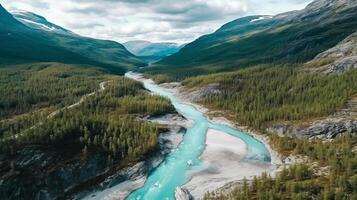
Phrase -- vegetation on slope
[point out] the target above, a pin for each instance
(31, 87)
(105, 125)
(106, 121)
(263, 94)
(26, 88)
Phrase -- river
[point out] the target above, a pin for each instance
(174, 170)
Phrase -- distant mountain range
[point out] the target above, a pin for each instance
(293, 37)
(152, 52)
(28, 38)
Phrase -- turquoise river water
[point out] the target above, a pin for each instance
(173, 171)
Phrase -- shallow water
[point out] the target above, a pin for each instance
(173, 171)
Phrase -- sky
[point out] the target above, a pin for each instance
(179, 21)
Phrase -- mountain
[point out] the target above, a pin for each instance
(30, 38)
(7, 21)
(152, 51)
(292, 37)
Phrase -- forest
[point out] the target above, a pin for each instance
(30, 87)
(265, 94)
(106, 125)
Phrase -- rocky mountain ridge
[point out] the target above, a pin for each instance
(337, 60)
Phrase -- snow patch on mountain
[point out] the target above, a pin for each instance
(38, 22)
(261, 18)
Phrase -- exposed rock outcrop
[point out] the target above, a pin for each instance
(316, 8)
(332, 4)
(194, 94)
(341, 122)
(199, 93)
(342, 65)
(45, 174)
(337, 60)
(324, 129)
(172, 120)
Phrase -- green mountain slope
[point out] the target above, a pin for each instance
(286, 38)
(23, 43)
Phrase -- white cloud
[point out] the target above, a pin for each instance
(154, 20)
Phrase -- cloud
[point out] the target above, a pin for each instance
(155, 20)
(88, 10)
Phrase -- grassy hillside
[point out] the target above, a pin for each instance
(290, 38)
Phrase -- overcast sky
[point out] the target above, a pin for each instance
(154, 20)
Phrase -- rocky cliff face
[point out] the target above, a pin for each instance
(323, 129)
(39, 173)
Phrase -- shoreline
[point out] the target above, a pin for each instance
(129, 179)
(223, 162)
(277, 161)
(212, 178)
(177, 88)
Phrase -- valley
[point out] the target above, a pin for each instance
(152, 52)
(264, 107)
(185, 159)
